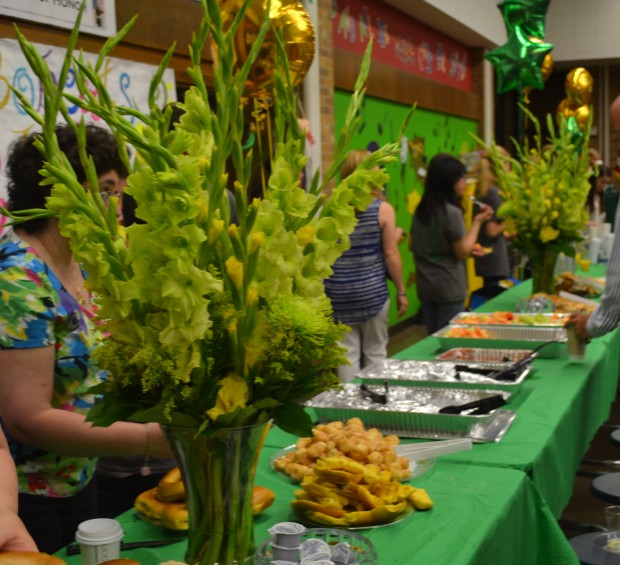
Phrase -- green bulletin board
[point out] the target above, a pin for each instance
(429, 133)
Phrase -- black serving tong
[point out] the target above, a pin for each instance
(488, 373)
(511, 372)
(74, 548)
(515, 367)
(482, 406)
(376, 396)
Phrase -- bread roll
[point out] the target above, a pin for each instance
(262, 498)
(175, 516)
(149, 507)
(29, 558)
(171, 487)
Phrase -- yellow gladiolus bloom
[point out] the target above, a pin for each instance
(234, 269)
(256, 238)
(305, 235)
(233, 394)
(548, 234)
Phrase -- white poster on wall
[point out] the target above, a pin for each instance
(99, 16)
(127, 82)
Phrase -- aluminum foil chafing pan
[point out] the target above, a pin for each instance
(521, 319)
(414, 411)
(481, 355)
(443, 374)
(506, 337)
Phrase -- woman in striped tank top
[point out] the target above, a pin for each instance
(358, 288)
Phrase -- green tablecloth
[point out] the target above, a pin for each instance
(481, 515)
(559, 409)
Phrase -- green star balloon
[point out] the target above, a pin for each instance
(529, 15)
(518, 62)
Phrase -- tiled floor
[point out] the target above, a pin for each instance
(584, 512)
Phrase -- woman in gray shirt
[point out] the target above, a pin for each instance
(441, 243)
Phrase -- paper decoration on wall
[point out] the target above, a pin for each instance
(127, 81)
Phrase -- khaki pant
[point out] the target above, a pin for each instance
(366, 344)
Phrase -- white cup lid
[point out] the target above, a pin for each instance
(99, 530)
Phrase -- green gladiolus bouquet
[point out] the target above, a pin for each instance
(545, 188)
(208, 324)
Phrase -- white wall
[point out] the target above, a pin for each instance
(584, 30)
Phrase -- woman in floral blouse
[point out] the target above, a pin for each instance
(46, 340)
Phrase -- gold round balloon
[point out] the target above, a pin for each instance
(547, 65)
(565, 108)
(287, 16)
(578, 85)
(582, 115)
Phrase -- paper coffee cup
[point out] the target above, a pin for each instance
(100, 540)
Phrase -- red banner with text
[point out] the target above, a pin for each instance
(401, 41)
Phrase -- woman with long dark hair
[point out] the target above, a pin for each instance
(441, 243)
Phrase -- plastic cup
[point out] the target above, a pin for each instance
(100, 540)
(287, 534)
(285, 553)
(612, 518)
(608, 243)
(584, 264)
(576, 345)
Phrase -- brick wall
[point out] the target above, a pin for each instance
(326, 72)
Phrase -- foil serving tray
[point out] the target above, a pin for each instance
(413, 411)
(522, 320)
(442, 374)
(482, 355)
(506, 337)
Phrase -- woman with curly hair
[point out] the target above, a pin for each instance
(46, 340)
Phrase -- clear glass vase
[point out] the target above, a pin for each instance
(218, 472)
(542, 264)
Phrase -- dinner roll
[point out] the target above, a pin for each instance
(171, 487)
(29, 558)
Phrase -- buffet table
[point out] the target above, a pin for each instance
(481, 515)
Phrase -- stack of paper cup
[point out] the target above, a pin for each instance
(594, 250)
(100, 540)
(604, 229)
(608, 243)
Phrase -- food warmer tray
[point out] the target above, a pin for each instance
(413, 411)
(546, 320)
(442, 374)
(507, 337)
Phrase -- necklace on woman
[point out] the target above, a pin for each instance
(68, 272)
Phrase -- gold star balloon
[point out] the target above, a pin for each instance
(518, 63)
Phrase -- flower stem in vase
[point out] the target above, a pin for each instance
(218, 471)
(542, 263)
